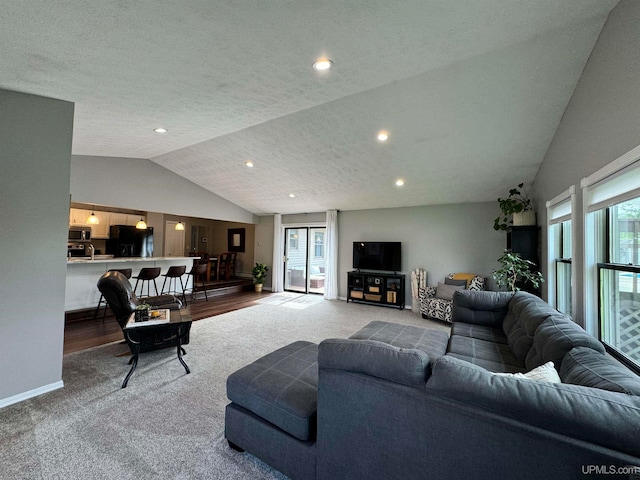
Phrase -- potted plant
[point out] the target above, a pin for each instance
(142, 312)
(515, 269)
(518, 205)
(259, 273)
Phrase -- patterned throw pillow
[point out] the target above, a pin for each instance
(543, 373)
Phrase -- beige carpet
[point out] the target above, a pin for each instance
(165, 424)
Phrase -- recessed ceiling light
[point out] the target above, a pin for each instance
(322, 64)
(160, 130)
(291, 195)
(383, 136)
(248, 163)
(399, 182)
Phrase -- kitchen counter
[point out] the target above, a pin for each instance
(112, 259)
(83, 274)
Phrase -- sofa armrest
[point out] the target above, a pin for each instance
(481, 307)
(407, 366)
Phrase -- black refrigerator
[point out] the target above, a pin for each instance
(128, 241)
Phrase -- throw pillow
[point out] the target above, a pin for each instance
(446, 292)
(464, 276)
(451, 281)
(543, 373)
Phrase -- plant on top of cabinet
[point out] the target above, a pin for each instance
(517, 203)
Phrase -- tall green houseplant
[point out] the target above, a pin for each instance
(513, 270)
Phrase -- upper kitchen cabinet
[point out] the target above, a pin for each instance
(123, 219)
(78, 216)
(101, 230)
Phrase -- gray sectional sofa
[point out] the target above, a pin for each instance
(395, 401)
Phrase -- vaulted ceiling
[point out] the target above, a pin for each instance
(471, 91)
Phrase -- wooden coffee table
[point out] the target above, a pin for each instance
(172, 325)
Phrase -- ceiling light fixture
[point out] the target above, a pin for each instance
(179, 225)
(141, 225)
(322, 65)
(160, 130)
(92, 219)
(248, 164)
(291, 195)
(399, 182)
(383, 136)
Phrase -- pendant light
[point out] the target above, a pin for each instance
(92, 219)
(179, 225)
(141, 225)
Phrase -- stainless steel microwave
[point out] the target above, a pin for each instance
(79, 234)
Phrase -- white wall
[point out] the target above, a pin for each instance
(601, 123)
(35, 152)
(140, 184)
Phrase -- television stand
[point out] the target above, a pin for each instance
(376, 288)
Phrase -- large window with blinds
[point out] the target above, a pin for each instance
(560, 241)
(613, 256)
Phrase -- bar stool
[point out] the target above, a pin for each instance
(174, 274)
(127, 273)
(198, 271)
(147, 274)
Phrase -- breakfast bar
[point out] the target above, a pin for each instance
(83, 275)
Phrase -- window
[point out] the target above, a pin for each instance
(319, 244)
(560, 285)
(612, 248)
(293, 239)
(619, 279)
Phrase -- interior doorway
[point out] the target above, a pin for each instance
(173, 240)
(305, 259)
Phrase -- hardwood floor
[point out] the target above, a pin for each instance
(82, 331)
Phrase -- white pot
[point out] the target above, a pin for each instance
(524, 218)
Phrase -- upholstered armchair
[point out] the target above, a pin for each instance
(437, 302)
(122, 301)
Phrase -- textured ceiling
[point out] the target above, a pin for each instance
(471, 91)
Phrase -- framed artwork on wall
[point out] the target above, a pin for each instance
(235, 237)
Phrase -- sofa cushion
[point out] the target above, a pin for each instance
(451, 281)
(555, 337)
(526, 312)
(613, 418)
(281, 387)
(482, 349)
(402, 365)
(490, 365)
(481, 332)
(481, 307)
(585, 366)
(429, 340)
(445, 292)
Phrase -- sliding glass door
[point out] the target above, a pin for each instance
(305, 259)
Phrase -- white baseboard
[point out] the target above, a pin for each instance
(5, 402)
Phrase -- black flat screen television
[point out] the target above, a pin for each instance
(377, 256)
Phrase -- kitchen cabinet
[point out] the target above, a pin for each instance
(78, 216)
(101, 230)
(123, 219)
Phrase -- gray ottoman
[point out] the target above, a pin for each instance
(273, 409)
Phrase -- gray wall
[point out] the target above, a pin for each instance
(442, 239)
(35, 152)
(140, 184)
(600, 124)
